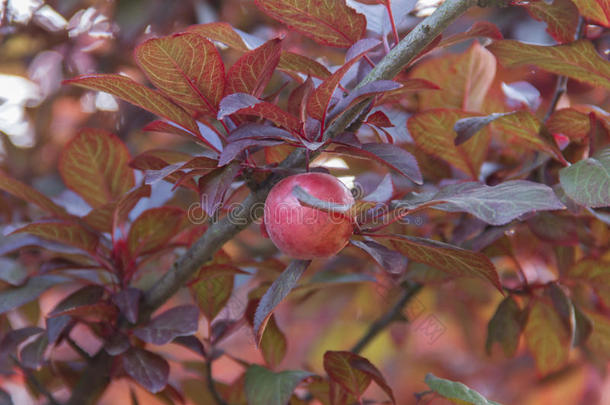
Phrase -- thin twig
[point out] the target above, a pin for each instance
(211, 385)
(34, 381)
(388, 318)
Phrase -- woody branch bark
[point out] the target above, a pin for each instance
(96, 376)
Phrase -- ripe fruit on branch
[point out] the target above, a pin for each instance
(302, 231)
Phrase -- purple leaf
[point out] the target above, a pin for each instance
(56, 325)
(15, 297)
(390, 260)
(192, 343)
(369, 89)
(87, 295)
(117, 343)
(128, 303)
(233, 149)
(259, 131)
(14, 338)
(146, 368)
(362, 45)
(214, 186)
(383, 192)
(235, 102)
(32, 355)
(210, 135)
(276, 293)
(466, 128)
(162, 329)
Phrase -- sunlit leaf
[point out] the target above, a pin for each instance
(153, 228)
(456, 392)
(464, 79)
(547, 338)
(293, 62)
(433, 132)
(597, 11)
(163, 328)
(148, 369)
(27, 193)
(561, 17)
(67, 233)
(578, 60)
(329, 23)
(251, 73)
(263, 386)
(588, 182)
(448, 258)
(137, 94)
(94, 164)
(221, 32)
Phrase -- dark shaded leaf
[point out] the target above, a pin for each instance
(192, 343)
(117, 343)
(214, 186)
(389, 260)
(32, 354)
(85, 296)
(148, 369)
(233, 149)
(56, 326)
(505, 327)
(11, 298)
(128, 303)
(163, 328)
(276, 293)
(15, 337)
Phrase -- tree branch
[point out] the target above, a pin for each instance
(226, 228)
(388, 318)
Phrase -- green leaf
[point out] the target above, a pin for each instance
(448, 258)
(11, 298)
(263, 386)
(456, 392)
(273, 343)
(505, 327)
(588, 182)
(547, 338)
(578, 60)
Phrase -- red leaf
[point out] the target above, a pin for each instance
(126, 204)
(294, 63)
(329, 23)
(448, 258)
(168, 128)
(597, 11)
(433, 132)
(221, 32)
(137, 94)
(479, 29)
(464, 79)
(339, 368)
(67, 233)
(319, 99)
(561, 18)
(185, 67)
(379, 119)
(242, 103)
(295, 104)
(362, 364)
(85, 296)
(95, 165)
(148, 369)
(578, 60)
(251, 73)
(153, 229)
(27, 193)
